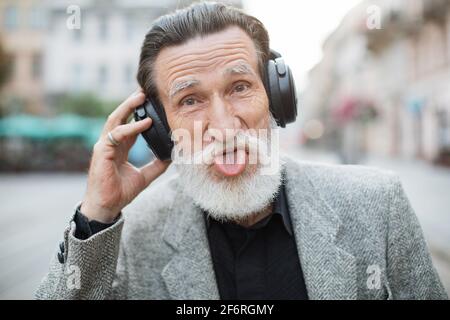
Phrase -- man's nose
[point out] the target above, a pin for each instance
(223, 123)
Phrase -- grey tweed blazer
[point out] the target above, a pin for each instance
(356, 234)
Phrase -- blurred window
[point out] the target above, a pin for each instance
(128, 74)
(103, 27)
(77, 34)
(77, 27)
(36, 18)
(11, 18)
(77, 77)
(13, 62)
(129, 27)
(102, 76)
(36, 66)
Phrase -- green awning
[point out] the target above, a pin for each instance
(45, 128)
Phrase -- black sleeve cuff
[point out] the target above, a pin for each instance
(85, 228)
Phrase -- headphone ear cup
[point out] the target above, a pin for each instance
(288, 96)
(281, 91)
(158, 135)
(273, 92)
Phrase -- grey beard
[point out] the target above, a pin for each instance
(231, 198)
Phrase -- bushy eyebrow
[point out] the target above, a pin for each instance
(241, 68)
(179, 86)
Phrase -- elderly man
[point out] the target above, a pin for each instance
(223, 228)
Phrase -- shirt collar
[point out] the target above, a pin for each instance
(280, 206)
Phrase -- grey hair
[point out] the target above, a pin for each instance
(198, 19)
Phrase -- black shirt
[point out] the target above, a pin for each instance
(259, 262)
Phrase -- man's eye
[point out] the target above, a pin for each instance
(189, 101)
(241, 87)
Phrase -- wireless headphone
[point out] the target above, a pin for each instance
(280, 88)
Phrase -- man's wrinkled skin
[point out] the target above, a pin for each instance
(222, 86)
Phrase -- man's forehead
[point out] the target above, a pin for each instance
(232, 39)
(230, 51)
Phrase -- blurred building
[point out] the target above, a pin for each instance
(386, 90)
(22, 31)
(73, 62)
(52, 59)
(102, 55)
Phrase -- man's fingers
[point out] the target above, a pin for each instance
(131, 129)
(123, 111)
(153, 170)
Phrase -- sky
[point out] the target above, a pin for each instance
(298, 28)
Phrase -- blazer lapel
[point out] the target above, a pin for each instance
(329, 270)
(190, 273)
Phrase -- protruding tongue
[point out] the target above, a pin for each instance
(230, 164)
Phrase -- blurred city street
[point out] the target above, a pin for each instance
(372, 81)
(35, 209)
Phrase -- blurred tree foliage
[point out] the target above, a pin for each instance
(84, 104)
(5, 71)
